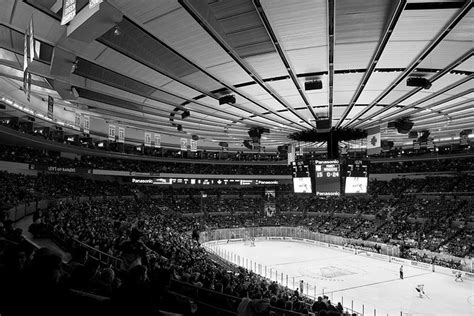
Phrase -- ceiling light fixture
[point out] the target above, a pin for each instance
(117, 31)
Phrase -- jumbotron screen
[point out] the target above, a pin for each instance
(327, 177)
(302, 185)
(357, 177)
(356, 185)
(301, 177)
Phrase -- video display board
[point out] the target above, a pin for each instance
(327, 177)
(301, 177)
(200, 181)
(357, 177)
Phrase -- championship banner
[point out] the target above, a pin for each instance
(77, 119)
(50, 106)
(121, 134)
(94, 3)
(111, 132)
(69, 11)
(373, 141)
(184, 144)
(157, 138)
(147, 139)
(291, 153)
(430, 144)
(194, 146)
(416, 144)
(87, 124)
(300, 151)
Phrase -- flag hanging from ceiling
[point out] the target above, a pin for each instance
(373, 141)
(31, 40)
(25, 61)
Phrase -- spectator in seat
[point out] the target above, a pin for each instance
(133, 251)
(319, 305)
(134, 297)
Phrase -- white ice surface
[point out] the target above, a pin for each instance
(359, 280)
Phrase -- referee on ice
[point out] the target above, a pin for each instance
(401, 272)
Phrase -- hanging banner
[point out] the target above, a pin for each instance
(121, 134)
(184, 144)
(194, 146)
(374, 143)
(25, 61)
(25, 52)
(29, 86)
(77, 119)
(291, 153)
(111, 132)
(69, 11)
(157, 138)
(416, 145)
(430, 144)
(87, 124)
(94, 3)
(31, 39)
(50, 106)
(147, 139)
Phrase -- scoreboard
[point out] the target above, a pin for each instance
(357, 176)
(301, 177)
(327, 177)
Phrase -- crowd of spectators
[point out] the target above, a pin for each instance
(19, 188)
(277, 167)
(152, 244)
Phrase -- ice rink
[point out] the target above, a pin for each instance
(357, 280)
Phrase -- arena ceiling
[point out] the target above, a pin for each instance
(159, 58)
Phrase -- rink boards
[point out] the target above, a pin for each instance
(365, 281)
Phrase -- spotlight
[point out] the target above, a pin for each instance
(185, 114)
(230, 99)
(313, 85)
(117, 31)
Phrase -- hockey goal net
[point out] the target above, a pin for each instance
(248, 239)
